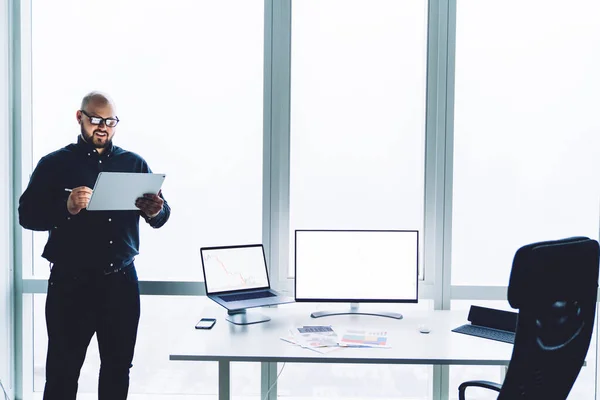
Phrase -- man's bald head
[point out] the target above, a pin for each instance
(97, 106)
(97, 98)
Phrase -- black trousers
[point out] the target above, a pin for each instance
(79, 305)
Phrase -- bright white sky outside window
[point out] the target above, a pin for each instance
(187, 77)
(527, 133)
(357, 115)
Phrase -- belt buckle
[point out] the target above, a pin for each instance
(113, 271)
(120, 265)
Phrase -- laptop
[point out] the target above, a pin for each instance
(236, 277)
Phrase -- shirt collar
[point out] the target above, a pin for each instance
(87, 147)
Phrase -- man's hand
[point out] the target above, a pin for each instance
(150, 204)
(79, 199)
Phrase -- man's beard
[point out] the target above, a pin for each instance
(90, 139)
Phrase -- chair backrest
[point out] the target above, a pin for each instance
(554, 285)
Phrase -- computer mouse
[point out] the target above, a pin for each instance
(424, 329)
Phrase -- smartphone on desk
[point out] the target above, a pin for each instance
(206, 323)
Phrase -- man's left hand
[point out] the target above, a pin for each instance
(150, 204)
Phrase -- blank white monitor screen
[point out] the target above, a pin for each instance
(234, 268)
(356, 266)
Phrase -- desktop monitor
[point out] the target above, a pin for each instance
(356, 266)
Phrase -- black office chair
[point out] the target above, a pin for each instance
(554, 286)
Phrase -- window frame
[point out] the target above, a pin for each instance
(7, 354)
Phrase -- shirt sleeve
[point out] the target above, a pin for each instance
(43, 205)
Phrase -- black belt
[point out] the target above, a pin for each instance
(118, 267)
(95, 269)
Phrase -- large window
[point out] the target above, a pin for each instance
(187, 78)
(357, 129)
(357, 115)
(526, 139)
(526, 135)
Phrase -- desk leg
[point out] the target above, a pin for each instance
(268, 374)
(441, 382)
(224, 380)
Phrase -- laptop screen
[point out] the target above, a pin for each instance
(233, 268)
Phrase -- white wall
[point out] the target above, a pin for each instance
(6, 372)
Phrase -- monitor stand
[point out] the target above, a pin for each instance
(354, 310)
(240, 317)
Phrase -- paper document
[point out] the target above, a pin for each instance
(315, 336)
(326, 338)
(322, 350)
(363, 338)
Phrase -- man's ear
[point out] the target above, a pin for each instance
(78, 116)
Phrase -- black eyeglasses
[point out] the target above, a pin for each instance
(110, 122)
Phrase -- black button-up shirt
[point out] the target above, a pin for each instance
(104, 240)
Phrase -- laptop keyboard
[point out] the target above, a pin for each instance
(487, 333)
(246, 296)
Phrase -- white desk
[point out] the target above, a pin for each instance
(227, 342)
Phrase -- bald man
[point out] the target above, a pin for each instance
(93, 284)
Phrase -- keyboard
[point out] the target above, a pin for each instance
(246, 296)
(487, 333)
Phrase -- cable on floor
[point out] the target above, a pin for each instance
(4, 390)
(274, 383)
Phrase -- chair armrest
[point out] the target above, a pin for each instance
(482, 384)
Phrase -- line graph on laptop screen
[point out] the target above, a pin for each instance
(234, 269)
